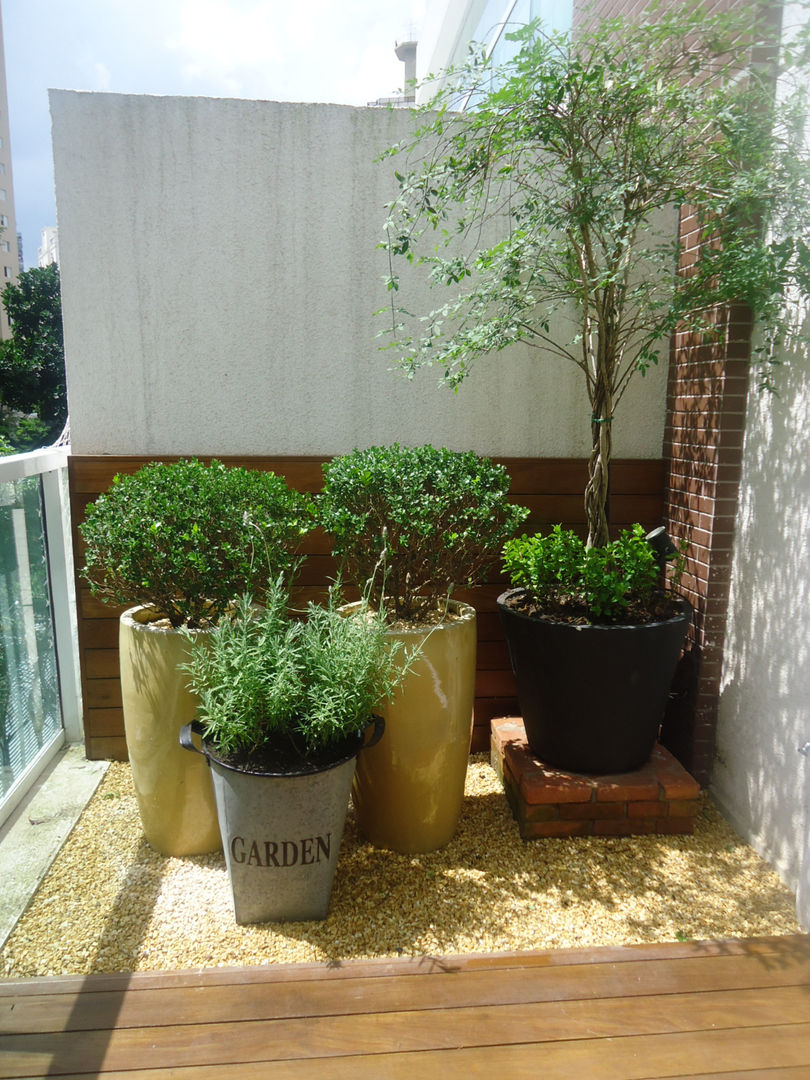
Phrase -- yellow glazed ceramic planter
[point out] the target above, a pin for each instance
(408, 789)
(174, 790)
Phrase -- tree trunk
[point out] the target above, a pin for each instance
(597, 489)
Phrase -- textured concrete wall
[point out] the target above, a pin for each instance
(220, 274)
(759, 777)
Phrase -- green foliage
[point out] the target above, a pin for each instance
(188, 538)
(33, 395)
(597, 583)
(547, 209)
(264, 678)
(411, 523)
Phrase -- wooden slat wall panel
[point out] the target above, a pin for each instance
(551, 488)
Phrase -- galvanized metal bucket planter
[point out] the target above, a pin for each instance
(281, 833)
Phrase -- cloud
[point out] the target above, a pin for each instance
(312, 50)
(103, 76)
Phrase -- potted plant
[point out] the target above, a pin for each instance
(542, 194)
(575, 610)
(283, 707)
(410, 524)
(181, 542)
(546, 203)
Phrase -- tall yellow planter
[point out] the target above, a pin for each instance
(174, 789)
(409, 788)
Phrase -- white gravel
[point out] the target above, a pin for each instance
(111, 904)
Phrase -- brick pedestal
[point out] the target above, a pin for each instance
(661, 797)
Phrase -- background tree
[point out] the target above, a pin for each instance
(33, 395)
(544, 205)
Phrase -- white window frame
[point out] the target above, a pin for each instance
(51, 465)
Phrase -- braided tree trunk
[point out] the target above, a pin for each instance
(597, 489)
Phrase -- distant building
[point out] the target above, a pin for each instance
(49, 247)
(9, 245)
(451, 28)
(406, 52)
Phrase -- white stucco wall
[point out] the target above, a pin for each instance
(760, 779)
(219, 277)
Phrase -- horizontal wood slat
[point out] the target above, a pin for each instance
(645, 1012)
(93, 474)
(768, 951)
(550, 487)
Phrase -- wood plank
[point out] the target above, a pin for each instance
(789, 1072)
(491, 986)
(575, 1018)
(257, 1071)
(104, 747)
(569, 475)
(772, 951)
(102, 664)
(629, 1058)
(491, 1048)
(569, 510)
(495, 683)
(99, 633)
(91, 474)
(492, 656)
(102, 693)
(105, 722)
(489, 625)
(480, 739)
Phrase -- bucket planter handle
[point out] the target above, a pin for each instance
(377, 733)
(186, 741)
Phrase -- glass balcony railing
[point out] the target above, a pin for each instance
(39, 686)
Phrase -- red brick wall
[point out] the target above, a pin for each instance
(707, 391)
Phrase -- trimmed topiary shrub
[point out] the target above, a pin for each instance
(187, 539)
(566, 580)
(412, 523)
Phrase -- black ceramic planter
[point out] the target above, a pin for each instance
(592, 697)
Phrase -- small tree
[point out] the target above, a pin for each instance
(33, 394)
(565, 162)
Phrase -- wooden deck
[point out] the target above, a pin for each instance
(737, 1009)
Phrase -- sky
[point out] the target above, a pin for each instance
(339, 51)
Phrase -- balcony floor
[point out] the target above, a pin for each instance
(739, 1008)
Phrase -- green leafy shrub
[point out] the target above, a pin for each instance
(597, 584)
(414, 522)
(275, 687)
(187, 539)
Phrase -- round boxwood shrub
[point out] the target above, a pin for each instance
(187, 539)
(412, 522)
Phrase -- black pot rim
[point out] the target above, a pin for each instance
(311, 770)
(684, 615)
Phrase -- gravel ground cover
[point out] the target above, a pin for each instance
(111, 904)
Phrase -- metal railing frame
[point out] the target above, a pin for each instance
(50, 465)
